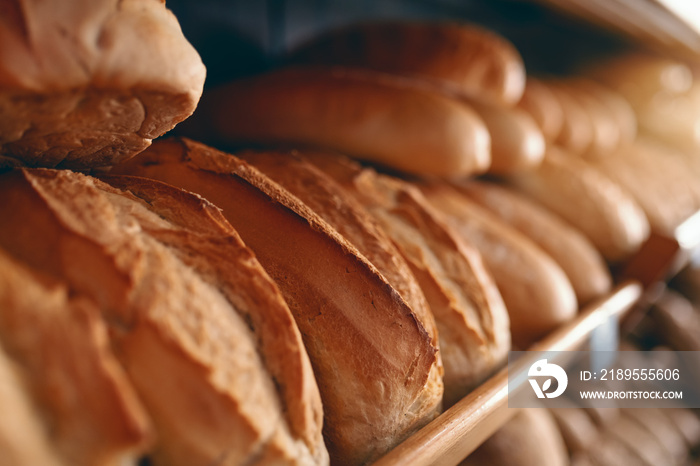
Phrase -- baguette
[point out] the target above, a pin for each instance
(60, 345)
(471, 318)
(589, 201)
(573, 252)
(465, 59)
(517, 143)
(536, 292)
(373, 117)
(375, 364)
(544, 107)
(86, 84)
(193, 360)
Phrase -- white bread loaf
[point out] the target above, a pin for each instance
(89, 408)
(535, 289)
(380, 118)
(375, 364)
(573, 252)
(589, 201)
(466, 60)
(471, 318)
(195, 362)
(86, 83)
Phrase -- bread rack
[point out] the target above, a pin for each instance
(458, 431)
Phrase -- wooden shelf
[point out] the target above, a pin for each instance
(458, 431)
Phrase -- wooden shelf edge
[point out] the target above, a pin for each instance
(458, 431)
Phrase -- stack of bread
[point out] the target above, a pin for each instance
(283, 303)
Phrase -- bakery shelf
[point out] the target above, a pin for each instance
(458, 431)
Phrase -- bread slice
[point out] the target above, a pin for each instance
(535, 289)
(378, 118)
(465, 59)
(375, 364)
(193, 360)
(574, 253)
(349, 218)
(84, 84)
(471, 318)
(60, 345)
(589, 201)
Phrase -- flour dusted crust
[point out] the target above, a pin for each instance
(86, 83)
(194, 361)
(375, 364)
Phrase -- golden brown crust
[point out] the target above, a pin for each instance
(465, 59)
(344, 213)
(379, 118)
(86, 84)
(471, 317)
(539, 101)
(589, 201)
(516, 142)
(577, 132)
(201, 238)
(373, 360)
(60, 345)
(169, 328)
(536, 292)
(574, 253)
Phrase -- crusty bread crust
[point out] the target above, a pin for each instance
(536, 292)
(89, 408)
(86, 83)
(374, 362)
(472, 320)
(465, 59)
(192, 359)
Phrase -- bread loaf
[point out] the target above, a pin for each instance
(659, 182)
(517, 143)
(645, 448)
(84, 84)
(465, 59)
(349, 218)
(471, 318)
(663, 430)
(366, 115)
(91, 413)
(543, 106)
(576, 427)
(536, 292)
(587, 200)
(23, 437)
(194, 361)
(577, 131)
(573, 252)
(530, 437)
(375, 364)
